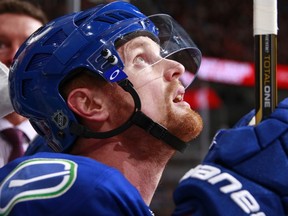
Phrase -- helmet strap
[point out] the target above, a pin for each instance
(138, 118)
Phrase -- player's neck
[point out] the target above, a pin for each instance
(142, 169)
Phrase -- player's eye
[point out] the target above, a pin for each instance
(139, 60)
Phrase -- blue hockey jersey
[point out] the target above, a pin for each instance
(61, 184)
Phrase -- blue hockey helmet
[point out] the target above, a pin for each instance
(87, 40)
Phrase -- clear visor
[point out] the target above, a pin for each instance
(170, 39)
(172, 43)
(176, 44)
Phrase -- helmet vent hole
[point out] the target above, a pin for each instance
(114, 17)
(80, 21)
(80, 18)
(57, 39)
(25, 88)
(38, 62)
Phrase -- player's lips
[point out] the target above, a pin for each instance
(179, 95)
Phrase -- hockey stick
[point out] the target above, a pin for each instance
(265, 42)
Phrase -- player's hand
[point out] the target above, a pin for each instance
(248, 119)
(258, 153)
(212, 190)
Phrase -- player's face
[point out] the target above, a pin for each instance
(14, 29)
(157, 82)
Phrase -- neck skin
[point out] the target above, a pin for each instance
(141, 160)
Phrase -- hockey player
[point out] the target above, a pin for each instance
(105, 88)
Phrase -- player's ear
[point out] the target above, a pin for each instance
(85, 104)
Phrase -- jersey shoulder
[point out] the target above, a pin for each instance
(49, 180)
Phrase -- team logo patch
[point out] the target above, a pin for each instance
(36, 179)
(60, 119)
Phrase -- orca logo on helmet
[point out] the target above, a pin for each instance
(21, 189)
